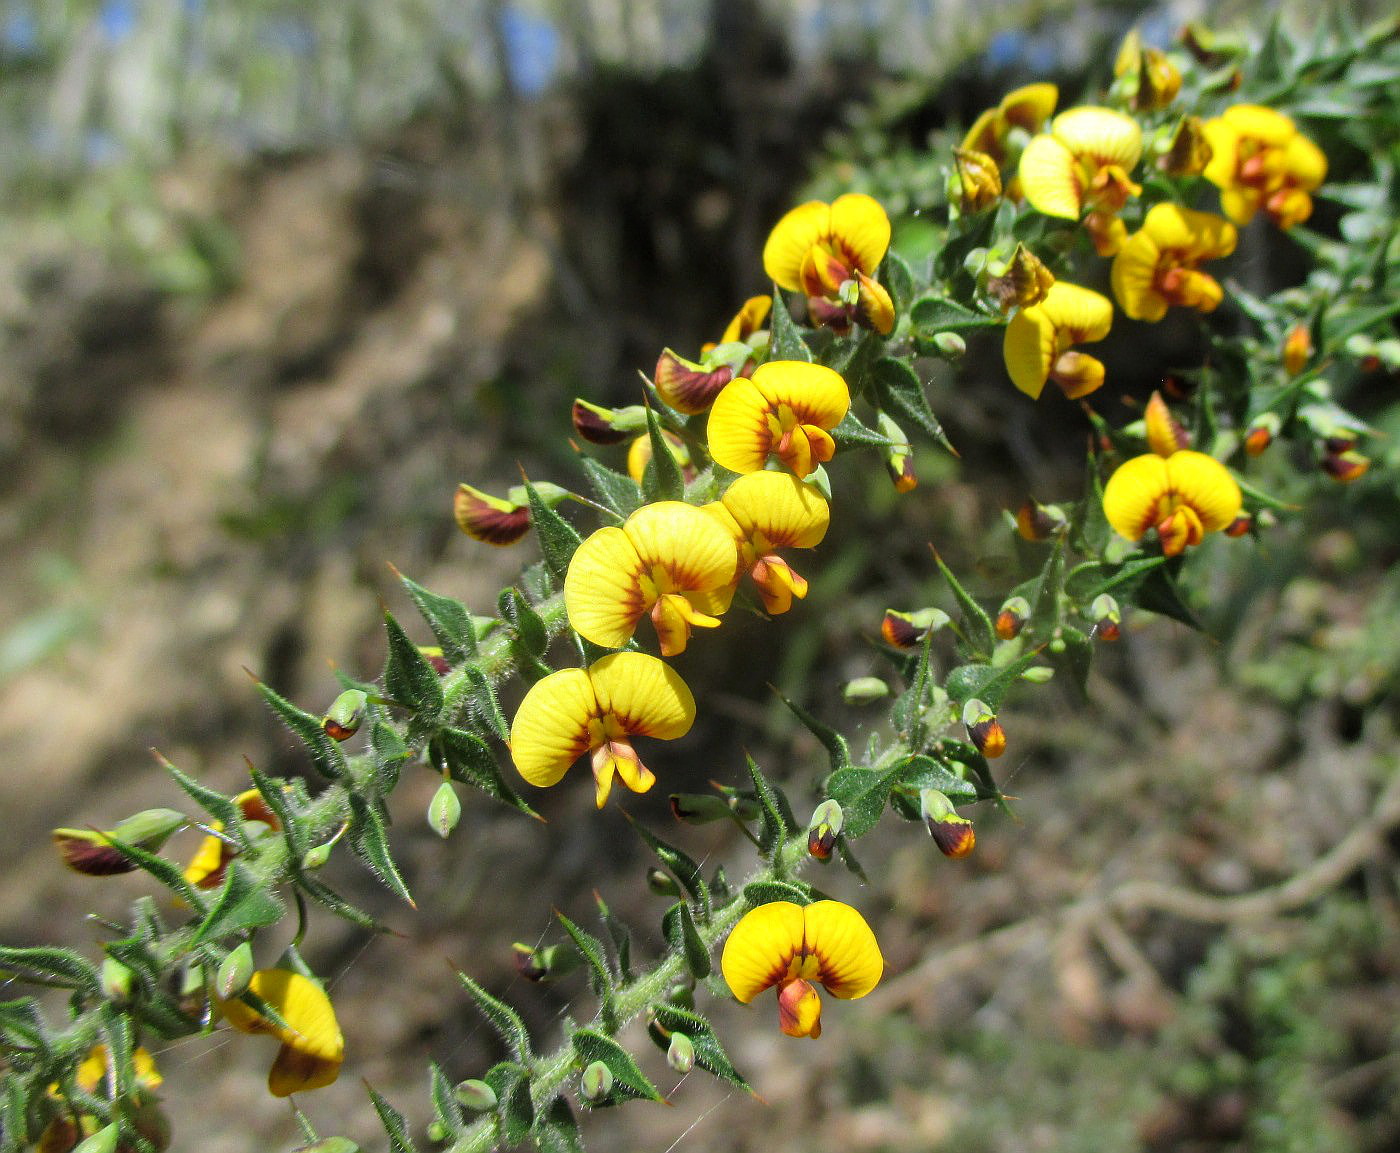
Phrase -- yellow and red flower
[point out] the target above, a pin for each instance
(790, 946)
(785, 410)
(763, 512)
(658, 563)
(1182, 496)
(599, 710)
(1002, 132)
(312, 1045)
(691, 387)
(210, 861)
(488, 518)
(1259, 160)
(830, 253)
(1084, 162)
(1037, 345)
(1157, 266)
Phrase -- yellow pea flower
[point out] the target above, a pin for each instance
(1183, 496)
(599, 710)
(691, 387)
(830, 253)
(1156, 267)
(1037, 345)
(312, 1045)
(784, 410)
(64, 1132)
(763, 512)
(791, 946)
(1085, 161)
(210, 861)
(655, 564)
(1002, 132)
(1259, 160)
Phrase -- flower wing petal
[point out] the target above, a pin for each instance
(645, 694)
(1134, 278)
(550, 730)
(760, 947)
(1029, 349)
(851, 964)
(602, 589)
(1206, 485)
(738, 430)
(791, 239)
(1132, 495)
(862, 229)
(1048, 178)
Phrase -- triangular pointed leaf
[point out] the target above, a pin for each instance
(243, 904)
(390, 756)
(977, 625)
(526, 628)
(786, 342)
(445, 1108)
(484, 704)
(601, 977)
(325, 753)
(61, 967)
(663, 479)
(558, 538)
(218, 806)
(470, 761)
(370, 841)
(618, 493)
(628, 1080)
(511, 1084)
(394, 1123)
(899, 390)
(837, 750)
(506, 1021)
(410, 679)
(686, 869)
(448, 618)
(709, 1053)
(556, 1129)
(778, 821)
(620, 936)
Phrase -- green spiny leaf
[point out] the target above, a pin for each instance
(324, 895)
(445, 1107)
(370, 841)
(326, 756)
(709, 1053)
(778, 821)
(628, 1079)
(686, 869)
(168, 874)
(22, 1025)
(851, 433)
(923, 772)
(484, 704)
(766, 892)
(558, 538)
(787, 342)
(470, 761)
(837, 750)
(556, 1129)
(934, 314)
(1049, 587)
(61, 967)
(898, 277)
(687, 937)
(987, 682)
(620, 936)
(218, 806)
(862, 794)
(898, 389)
(592, 950)
(511, 1084)
(977, 625)
(411, 680)
(505, 1020)
(618, 493)
(526, 628)
(390, 754)
(663, 479)
(448, 618)
(243, 903)
(394, 1123)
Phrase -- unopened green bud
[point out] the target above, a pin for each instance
(551, 494)
(949, 345)
(150, 828)
(680, 1055)
(103, 1141)
(117, 981)
(235, 972)
(437, 1132)
(864, 690)
(698, 808)
(475, 1095)
(824, 828)
(662, 883)
(596, 1083)
(445, 810)
(316, 857)
(1039, 674)
(347, 712)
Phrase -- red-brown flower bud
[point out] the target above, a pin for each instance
(1012, 618)
(983, 729)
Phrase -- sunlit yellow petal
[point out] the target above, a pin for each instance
(1257, 122)
(550, 731)
(851, 964)
(984, 137)
(1133, 277)
(791, 239)
(1195, 235)
(602, 589)
(1028, 348)
(749, 319)
(312, 1045)
(784, 511)
(739, 435)
(1106, 136)
(1206, 485)
(1050, 179)
(1223, 140)
(1133, 493)
(1081, 313)
(1305, 163)
(645, 694)
(816, 394)
(695, 552)
(1239, 204)
(1029, 106)
(861, 228)
(760, 946)
(206, 867)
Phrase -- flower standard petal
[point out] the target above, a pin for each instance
(816, 394)
(1134, 278)
(778, 508)
(748, 320)
(1133, 494)
(1050, 179)
(551, 729)
(1029, 106)
(312, 1045)
(790, 241)
(1081, 315)
(1028, 348)
(851, 964)
(761, 947)
(644, 695)
(1206, 485)
(861, 228)
(602, 589)
(1100, 134)
(694, 551)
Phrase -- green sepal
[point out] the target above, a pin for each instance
(837, 749)
(709, 1053)
(662, 479)
(628, 1080)
(218, 806)
(786, 341)
(620, 936)
(243, 904)
(49, 966)
(978, 630)
(678, 926)
(326, 755)
(448, 618)
(528, 635)
(395, 1125)
(778, 821)
(411, 680)
(987, 682)
(484, 704)
(470, 761)
(390, 754)
(511, 1084)
(600, 976)
(686, 869)
(617, 492)
(558, 538)
(766, 892)
(369, 840)
(445, 1108)
(505, 1020)
(556, 1129)
(898, 388)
